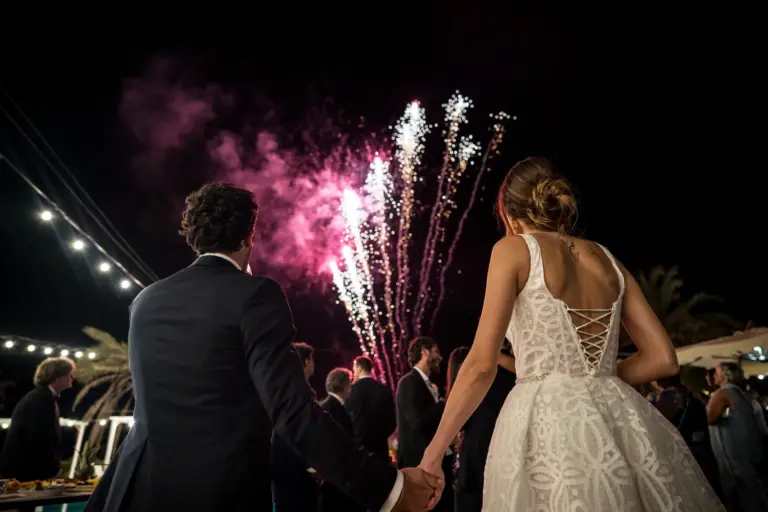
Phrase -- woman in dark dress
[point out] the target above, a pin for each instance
(477, 433)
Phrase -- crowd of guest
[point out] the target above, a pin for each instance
(725, 428)
(726, 431)
(368, 411)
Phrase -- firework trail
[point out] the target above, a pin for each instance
(490, 151)
(357, 262)
(379, 187)
(341, 288)
(450, 175)
(410, 133)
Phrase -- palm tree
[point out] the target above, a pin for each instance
(684, 319)
(110, 369)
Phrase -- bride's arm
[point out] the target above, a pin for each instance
(479, 369)
(656, 357)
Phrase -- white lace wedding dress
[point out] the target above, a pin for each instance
(572, 436)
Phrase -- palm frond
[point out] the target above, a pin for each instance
(92, 384)
(685, 319)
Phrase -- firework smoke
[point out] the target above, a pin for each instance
(298, 180)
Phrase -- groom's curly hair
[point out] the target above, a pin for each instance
(218, 218)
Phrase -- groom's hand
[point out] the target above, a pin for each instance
(421, 491)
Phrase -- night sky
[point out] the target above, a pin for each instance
(650, 117)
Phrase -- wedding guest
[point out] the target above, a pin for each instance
(294, 488)
(371, 407)
(738, 441)
(32, 449)
(689, 415)
(338, 385)
(419, 408)
(478, 431)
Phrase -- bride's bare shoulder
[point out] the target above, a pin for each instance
(511, 245)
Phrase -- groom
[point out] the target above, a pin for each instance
(213, 372)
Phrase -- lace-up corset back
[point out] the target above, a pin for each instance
(549, 337)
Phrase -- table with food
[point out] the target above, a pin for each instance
(38, 493)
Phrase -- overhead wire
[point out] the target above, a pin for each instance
(117, 239)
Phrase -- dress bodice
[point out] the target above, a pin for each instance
(548, 337)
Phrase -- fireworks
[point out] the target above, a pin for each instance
(373, 280)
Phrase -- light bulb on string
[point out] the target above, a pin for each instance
(125, 284)
(5, 426)
(46, 216)
(30, 348)
(47, 350)
(64, 353)
(78, 245)
(78, 354)
(91, 355)
(104, 266)
(9, 344)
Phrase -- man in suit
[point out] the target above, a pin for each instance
(477, 436)
(293, 484)
(338, 385)
(214, 372)
(32, 449)
(419, 409)
(372, 409)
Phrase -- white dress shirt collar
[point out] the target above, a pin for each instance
(337, 397)
(423, 375)
(224, 256)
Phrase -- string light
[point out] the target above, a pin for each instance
(37, 347)
(84, 240)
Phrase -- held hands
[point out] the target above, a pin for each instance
(432, 464)
(421, 491)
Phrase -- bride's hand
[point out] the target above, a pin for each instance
(432, 463)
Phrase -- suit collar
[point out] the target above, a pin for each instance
(215, 260)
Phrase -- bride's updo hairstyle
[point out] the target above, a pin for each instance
(534, 194)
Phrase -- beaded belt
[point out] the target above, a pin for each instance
(542, 376)
(532, 378)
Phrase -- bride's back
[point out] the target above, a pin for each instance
(571, 292)
(578, 272)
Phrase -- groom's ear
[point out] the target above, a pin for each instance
(248, 242)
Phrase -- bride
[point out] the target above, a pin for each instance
(573, 434)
